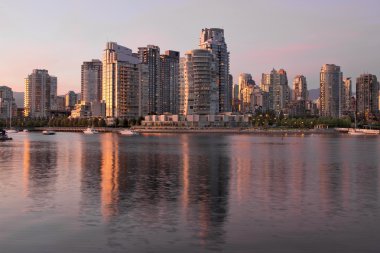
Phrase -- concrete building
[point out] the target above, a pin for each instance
(150, 55)
(143, 90)
(81, 110)
(121, 84)
(246, 85)
(212, 39)
(169, 93)
(91, 81)
(182, 85)
(98, 109)
(61, 103)
(8, 107)
(197, 121)
(346, 94)
(259, 100)
(71, 100)
(40, 94)
(276, 84)
(331, 79)
(300, 91)
(236, 98)
(367, 96)
(201, 90)
(53, 93)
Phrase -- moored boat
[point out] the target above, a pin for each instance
(4, 136)
(90, 130)
(128, 132)
(355, 132)
(48, 132)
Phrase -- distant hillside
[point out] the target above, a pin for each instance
(19, 97)
(314, 94)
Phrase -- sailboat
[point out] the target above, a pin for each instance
(354, 131)
(10, 130)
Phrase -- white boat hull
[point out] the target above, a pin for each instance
(128, 132)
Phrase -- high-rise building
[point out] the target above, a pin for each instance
(346, 94)
(236, 98)
(182, 85)
(91, 81)
(276, 84)
(212, 39)
(40, 94)
(246, 85)
(70, 100)
(230, 92)
(150, 55)
(331, 79)
(367, 96)
(61, 103)
(8, 105)
(201, 91)
(121, 84)
(169, 93)
(143, 89)
(259, 100)
(300, 88)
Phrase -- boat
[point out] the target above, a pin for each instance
(90, 130)
(358, 131)
(4, 136)
(11, 131)
(25, 130)
(128, 132)
(48, 132)
(355, 132)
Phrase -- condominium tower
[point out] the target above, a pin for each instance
(150, 55)
(331, 79)
(40, 94)
(246, 85)
(212, 39)
(300, 88)
(367, 95)
(276, 84)
(201, 90)
(346, 94)
(169, 93)
(91, 81)
(8, 105)
(120, 86)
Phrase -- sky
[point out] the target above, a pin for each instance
(296, 35)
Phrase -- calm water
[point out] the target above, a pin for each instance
(189, 193)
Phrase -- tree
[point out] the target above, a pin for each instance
(102, 123)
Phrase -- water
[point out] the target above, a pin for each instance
(189, 193)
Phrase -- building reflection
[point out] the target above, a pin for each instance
(330, 177)
(205, 184)
(137, 176)
(91, 178)
(40, 173)
(109, 176)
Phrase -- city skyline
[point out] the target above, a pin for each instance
(306, 39)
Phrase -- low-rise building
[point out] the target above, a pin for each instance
(197, 121)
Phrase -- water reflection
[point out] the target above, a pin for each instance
(91, 177)
(40, 173)
(190, 193)
(205, 187)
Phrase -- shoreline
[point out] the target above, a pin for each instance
(273, 131)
